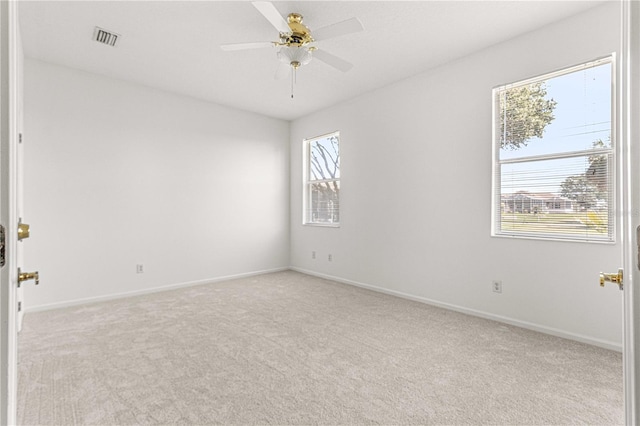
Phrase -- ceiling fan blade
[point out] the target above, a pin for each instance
(349, 26)
(270, 12)
(332, 60)
(282, 71)
(245, 46)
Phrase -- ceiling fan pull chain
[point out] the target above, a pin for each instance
(293, 77)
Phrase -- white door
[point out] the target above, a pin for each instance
(8, 218)
(630, 132)
(23, 228)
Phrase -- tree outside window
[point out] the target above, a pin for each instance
(322, 186)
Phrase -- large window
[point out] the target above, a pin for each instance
(554, 156)
(322, 180)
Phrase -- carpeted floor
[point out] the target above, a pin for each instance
(286, 348)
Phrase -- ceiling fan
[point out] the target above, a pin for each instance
(295, 41)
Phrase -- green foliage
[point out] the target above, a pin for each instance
(579, 189)
(526, 112)
(598, 166)
(590, 186)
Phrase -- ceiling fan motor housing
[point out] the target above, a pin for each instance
(300, 34)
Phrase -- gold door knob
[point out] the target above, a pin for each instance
(611, 278)
(24, 276)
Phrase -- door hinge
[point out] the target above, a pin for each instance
(19, 306)
(19, 137)
(2, 246)
(638, 244)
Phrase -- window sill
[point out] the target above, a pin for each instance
(554, 239)
(322, 225)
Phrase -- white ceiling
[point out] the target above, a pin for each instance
(173, 45)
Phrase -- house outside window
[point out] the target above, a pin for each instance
(322, 180)
(553, 164)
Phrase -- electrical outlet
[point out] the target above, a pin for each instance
(330, 257)
(139, 269)
(313, 254)
(496, 285)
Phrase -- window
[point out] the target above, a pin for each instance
(554, 168)
(322, 180)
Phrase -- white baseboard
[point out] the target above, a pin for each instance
(518, 323)
(511, 321)
(115, 296)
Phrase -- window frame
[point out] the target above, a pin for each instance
(308, 182)
(612, 164)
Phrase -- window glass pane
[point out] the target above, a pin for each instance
(324, 202)
(562, 197)
(566, 113)
(324, 158)
(554, 161)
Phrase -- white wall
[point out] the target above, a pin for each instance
(409, 149)
(118, 174)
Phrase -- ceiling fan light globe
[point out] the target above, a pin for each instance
(298, 55)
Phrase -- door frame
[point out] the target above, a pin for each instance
(630, 138)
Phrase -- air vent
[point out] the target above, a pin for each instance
(105, 37)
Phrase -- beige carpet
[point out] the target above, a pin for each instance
(286, 348)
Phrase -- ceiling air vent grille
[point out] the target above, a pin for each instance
(105, 37)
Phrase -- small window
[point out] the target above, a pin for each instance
(554, 168)
(322, 180)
